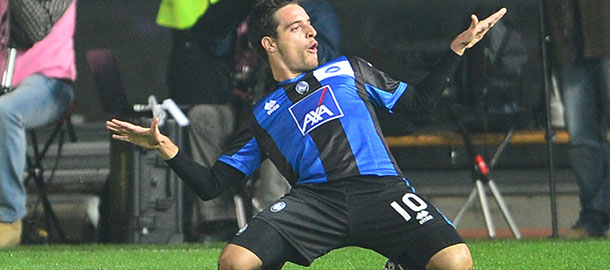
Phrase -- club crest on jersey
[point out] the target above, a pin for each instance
(302, 87)
(278, 206)
(316, 109)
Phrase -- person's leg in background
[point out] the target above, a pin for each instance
(604, 83)
(199, 75)
(36, 101)
(268, 186)
(211, 127)
(588, 158)
(198, 79)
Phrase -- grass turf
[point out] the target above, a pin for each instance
(487, 254)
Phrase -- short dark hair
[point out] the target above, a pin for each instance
(261, 23)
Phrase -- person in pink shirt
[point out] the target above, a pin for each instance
(41, 92)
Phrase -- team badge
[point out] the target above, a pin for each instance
(302, 87)
(278, 206)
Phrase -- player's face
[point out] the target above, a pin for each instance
(296, 41)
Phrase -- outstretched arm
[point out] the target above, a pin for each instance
(475, 32)
(425, 94)
(207, 183)
(149, 138)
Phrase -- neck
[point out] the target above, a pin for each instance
(281, 72)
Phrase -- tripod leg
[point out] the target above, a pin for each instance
(50, 217)
(504, 208)
(36, 172)
(491, 231)
(240, 210)
(465, 207)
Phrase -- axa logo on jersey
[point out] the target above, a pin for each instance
(315, 110)
(271, 106)
(317, 115)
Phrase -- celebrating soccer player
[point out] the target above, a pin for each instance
(320, 130)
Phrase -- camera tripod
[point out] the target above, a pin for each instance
(481, 177)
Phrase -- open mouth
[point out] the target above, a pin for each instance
(313, 48)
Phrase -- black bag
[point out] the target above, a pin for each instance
(142, 198)
(32, 20)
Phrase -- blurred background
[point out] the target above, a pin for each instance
(402, 37)
(500, 80)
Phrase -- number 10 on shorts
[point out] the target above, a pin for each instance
(413, 202)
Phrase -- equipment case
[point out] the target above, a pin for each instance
(142, 197)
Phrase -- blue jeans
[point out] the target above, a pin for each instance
(36, 101)
(585, 88)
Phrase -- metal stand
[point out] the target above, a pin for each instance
(243, 204)
(35, 170)
(549, 130)
(481, 177)
(240, 211)
(7, 75)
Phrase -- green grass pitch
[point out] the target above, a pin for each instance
(487, 254)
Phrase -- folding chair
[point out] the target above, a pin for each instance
(35, 169)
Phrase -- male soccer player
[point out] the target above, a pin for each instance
(319, 129)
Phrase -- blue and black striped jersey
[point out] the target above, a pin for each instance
(321, 125)
(318, 127)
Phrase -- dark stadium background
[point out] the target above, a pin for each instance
(401, 37)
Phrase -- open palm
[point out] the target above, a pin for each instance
(128, 132)
(475, 32)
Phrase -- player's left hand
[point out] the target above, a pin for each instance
(475, 32)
